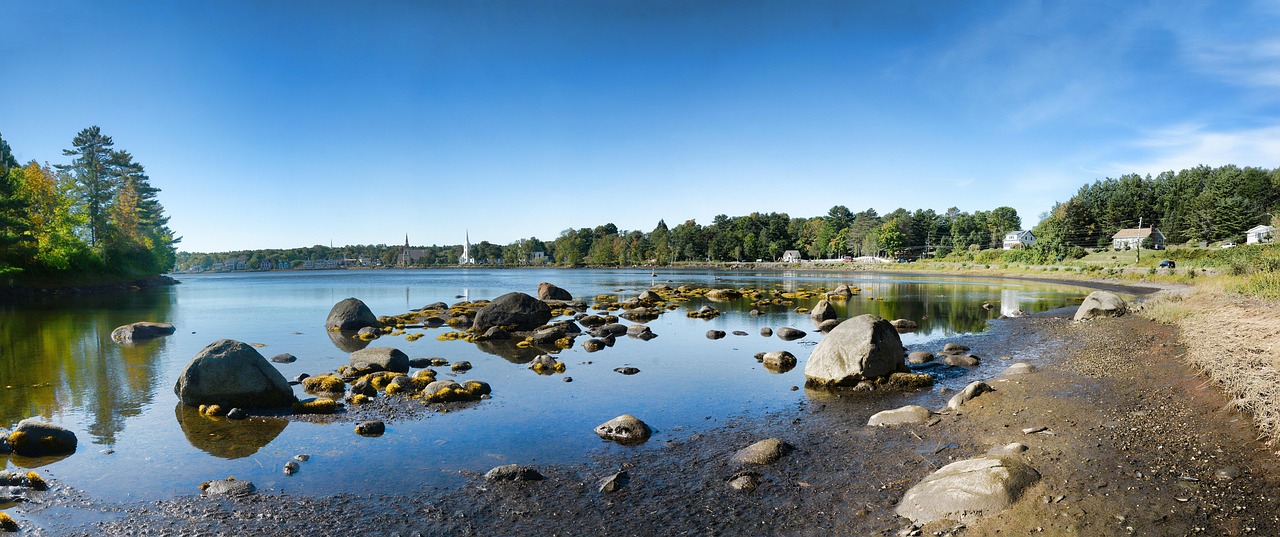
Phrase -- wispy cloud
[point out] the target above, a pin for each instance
(1245, 63)
(1188, 145)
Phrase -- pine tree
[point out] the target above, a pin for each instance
(96, 184)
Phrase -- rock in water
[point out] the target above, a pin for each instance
(232, 374)
(767, 451)
(35, 438)
(861, 348)
(228, 487)
(375, 359)
(350, 314)
(789, 334)
(822, 312)
(778, 361)
(967, 490)
(624, 429)
(907, 415)
(549, 291)
(371, 428)
(513, 311)
(140, 331)
(1101, 304)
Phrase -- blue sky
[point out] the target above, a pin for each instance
(274, 124)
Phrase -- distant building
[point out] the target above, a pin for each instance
(791, 256)
(1019, 239)
(1132, 238)
(465, 258)
(1260, 235)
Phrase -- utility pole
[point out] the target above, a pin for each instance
(1139, 239)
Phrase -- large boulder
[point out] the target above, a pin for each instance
(35, 438)
(864, 347)
(824, 311)
(1101, 304)
(380, 359)
(140, 331)
(513, 311)
(232, 374)
(967, 490)
(549, 291)
(350, 314)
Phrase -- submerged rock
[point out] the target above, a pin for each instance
(513, 472)
(35, 438)
(227, 487)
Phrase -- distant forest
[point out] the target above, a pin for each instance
(95, 216)
(1193, 205)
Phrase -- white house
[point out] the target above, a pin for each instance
(1260, 235)
(1019, 239)
(791, 256)
(1132, 238)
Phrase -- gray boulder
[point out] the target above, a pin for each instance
(35, 438)
(624, 429)
(232, 374)
(920, 357)
(1101, 304)
(907, 415)
(350, 314)
(140, 331)
(549, 291)
(974, 389)
(284, 358)
(861, 348)
(513, 311)
(822, 312)
(788, 334)
(967, 490)
(380, 359)
(767, 451)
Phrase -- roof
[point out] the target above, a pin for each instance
(789, 252)
(1261, 229)
(1136, 233)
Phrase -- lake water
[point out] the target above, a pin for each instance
(57, 361)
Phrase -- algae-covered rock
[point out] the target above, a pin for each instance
(35, 438)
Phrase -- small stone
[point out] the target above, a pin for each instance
(1013, 448)
(227, 487)
(626, 370)
(237, 414)
(459, 367)
(302, 457)
(1036, 429)
(284, 358)
(624, 429)
(567, 379)
(766, 331)
(745, 481)
(290, 468)
(715, 334)
(614, 482)
(767, 451)
(1227, 474)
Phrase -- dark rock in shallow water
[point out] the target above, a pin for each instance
(380, 359)
(715, 334)
(350, 314)
(626, 370)
(284, 358)
(513, 311)
(624, 429)
(513, 472)
(35, 438)
(789, 334)
(549, 291)
(232, 374)
(766, 451)
(371, 428)
(419, 363)
(140, 331)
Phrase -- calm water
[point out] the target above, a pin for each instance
(57, 361)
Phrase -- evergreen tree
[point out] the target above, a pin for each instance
(96, 184)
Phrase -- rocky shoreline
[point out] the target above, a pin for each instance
(1127, 439)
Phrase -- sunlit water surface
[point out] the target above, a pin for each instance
(57, 361)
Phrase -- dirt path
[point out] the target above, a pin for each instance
(1136, 443)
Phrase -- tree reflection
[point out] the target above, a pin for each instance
(56, 357)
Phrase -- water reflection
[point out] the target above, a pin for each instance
(346, 341)
(226, 438)
(57, 358)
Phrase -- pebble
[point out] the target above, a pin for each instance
(290, 468)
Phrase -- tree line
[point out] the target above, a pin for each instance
(1201, 204)
(97, 214)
